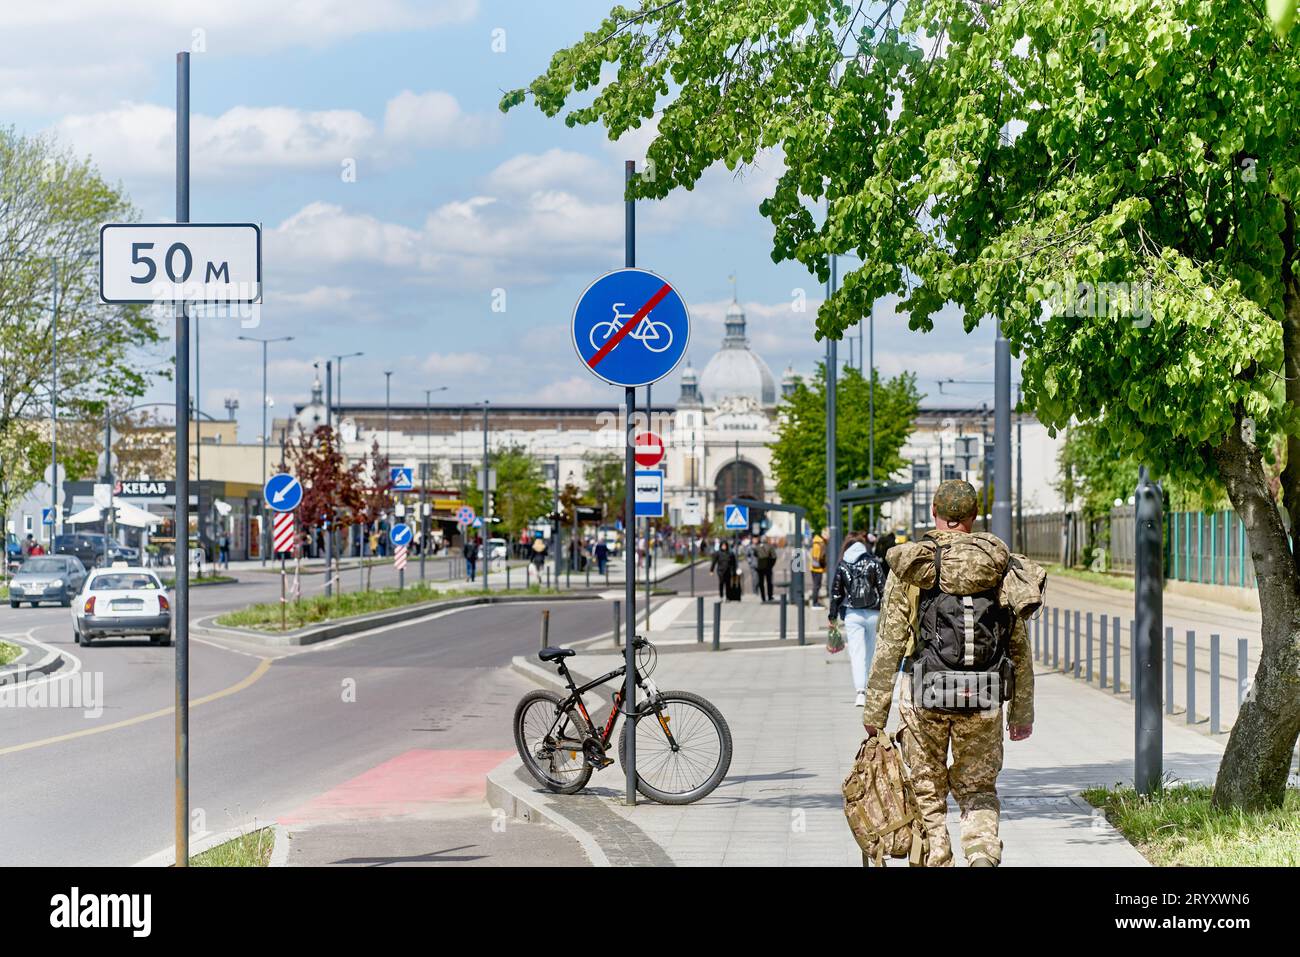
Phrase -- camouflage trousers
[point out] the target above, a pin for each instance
(976, 741)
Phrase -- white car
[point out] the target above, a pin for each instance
(122, 601)
(497, 548)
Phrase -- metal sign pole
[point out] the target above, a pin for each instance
(629, 518)
(1149, 613)
(182, 737)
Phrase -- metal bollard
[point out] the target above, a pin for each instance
(1038, 637)
(1056, 637)
(1088, 639)
(1116, 679)
(717, 625)
(1101, 649)
(1067, 640)
(1169, 670)
(618, 621)
(588, 570)
(1191, 677)
(1132, 658)
(1243, 666)
(1077, 638)
(548, 577)
(1214, 684)
(699, 619)
(546, 627)
(507, 576)
(784, 601)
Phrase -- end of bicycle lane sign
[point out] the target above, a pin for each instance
(631, 327)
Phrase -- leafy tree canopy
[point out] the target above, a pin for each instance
(799, 449)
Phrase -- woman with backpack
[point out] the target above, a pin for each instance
(855, 594)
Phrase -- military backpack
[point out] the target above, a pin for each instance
(880, 805)
(961, 662)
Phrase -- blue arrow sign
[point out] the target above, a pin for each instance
(402, 478)
(282, 492)
(736, 516)
(400, 534)
(631, 327)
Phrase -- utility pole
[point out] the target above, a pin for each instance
(832, 488)
(1002, 436)
(388, 412)
(486, 517)
(182, 508)
(54, 402)
(266, 527)
(558, 524)
(871, 408)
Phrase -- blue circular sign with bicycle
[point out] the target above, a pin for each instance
(631, 327)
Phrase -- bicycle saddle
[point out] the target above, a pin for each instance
(551, 654)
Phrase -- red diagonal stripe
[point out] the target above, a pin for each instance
(617, 337)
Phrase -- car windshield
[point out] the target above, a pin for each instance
(42, 566)
(124, 581)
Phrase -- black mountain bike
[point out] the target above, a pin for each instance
(681, 755)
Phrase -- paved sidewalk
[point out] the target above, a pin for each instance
(795, 732)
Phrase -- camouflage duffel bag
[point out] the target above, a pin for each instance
(881, 806)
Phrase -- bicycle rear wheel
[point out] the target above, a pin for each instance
(702, 757)
(551, 750)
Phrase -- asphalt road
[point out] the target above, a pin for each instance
(268, 734)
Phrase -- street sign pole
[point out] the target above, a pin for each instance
(182, 736)
(629, 513)
(1148, 759)
(485, 557)
(1001, 436)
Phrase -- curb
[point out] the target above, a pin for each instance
(280, 852)
(505, 792)
(167, 856)
(18, 673)
(207, 628)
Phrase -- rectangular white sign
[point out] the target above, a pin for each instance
(180, 262)
(693, 511)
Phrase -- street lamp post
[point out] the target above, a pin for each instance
(428, 473)
(266, 531)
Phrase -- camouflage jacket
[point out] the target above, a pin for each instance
(971, 562)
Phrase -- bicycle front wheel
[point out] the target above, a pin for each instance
(551, 746)
(700, 759)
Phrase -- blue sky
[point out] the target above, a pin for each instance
(451, 201)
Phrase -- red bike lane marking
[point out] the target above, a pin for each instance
(617, 337)
(403, 785)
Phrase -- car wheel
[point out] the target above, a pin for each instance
(76, 636)
(13, 604)
(34, 604)
(67, 601)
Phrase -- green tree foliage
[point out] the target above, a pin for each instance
(51, 208)
(605, 485)
(1115, 179)
(521, 496)
(799, 450)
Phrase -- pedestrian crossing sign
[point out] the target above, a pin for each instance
(736, 517)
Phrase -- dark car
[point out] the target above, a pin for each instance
(47, 578)
(94, 549)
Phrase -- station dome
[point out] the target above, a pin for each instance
(736, 370)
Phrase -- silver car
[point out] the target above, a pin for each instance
(47, 578)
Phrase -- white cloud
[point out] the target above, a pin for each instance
(69, 54)
(138, 139)
(435, 119)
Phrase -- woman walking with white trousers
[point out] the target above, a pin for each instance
(855, 594)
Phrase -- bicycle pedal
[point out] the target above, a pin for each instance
(603, 763)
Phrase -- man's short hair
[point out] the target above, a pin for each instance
(955, 500)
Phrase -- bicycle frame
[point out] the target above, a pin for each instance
(604, 735)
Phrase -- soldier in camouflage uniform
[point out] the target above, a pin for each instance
(971, 562)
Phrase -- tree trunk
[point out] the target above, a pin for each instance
(1254, 769)
(1291, 366)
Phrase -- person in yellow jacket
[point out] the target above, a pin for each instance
(971, 564)
(817, 564)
